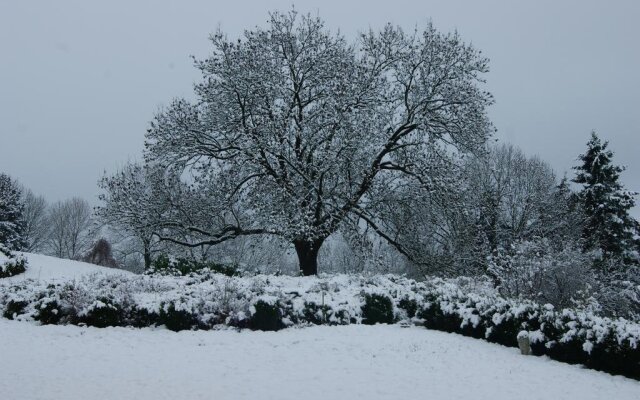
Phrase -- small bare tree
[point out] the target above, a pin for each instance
(70, 223)
(36, 227)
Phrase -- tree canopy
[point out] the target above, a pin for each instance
(298, 133)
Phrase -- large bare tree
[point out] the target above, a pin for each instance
(297, 132)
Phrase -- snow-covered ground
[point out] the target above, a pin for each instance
(341, 362)
(348, 362)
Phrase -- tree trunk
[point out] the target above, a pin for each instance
(308, 255)
(147, 256)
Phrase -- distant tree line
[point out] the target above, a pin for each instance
(64, 229)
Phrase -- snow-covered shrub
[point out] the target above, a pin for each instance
(175, 317)
(377, 309)
(48, 311)
(536, 270)
(409, 306)
(102, 312)
(140, 317)
(165, 265)
(14, 308)
(618, 293)
(11, 264)
(266, 316)
(314, 313)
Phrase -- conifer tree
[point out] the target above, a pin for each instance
(606, 204)
(11, 214)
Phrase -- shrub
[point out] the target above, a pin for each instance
(535, 270)
(410, 306)
(102, 313)
(141, 317)
(10, 263)
(14, 308)
(176, 319)
(48, 311)
(266, 317)
(314, 313)
(377, 309)
(436, 319)
(164, 265)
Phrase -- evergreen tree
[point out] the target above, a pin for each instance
(606, 204)
(11, 214)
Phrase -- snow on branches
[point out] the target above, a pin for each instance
(294, 127)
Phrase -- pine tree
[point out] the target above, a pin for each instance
(606, 204)
(11, 214)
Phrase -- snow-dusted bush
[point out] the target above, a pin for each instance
(102, 312)
(177, 318)
(11, 263)
(209, 300)
(377, 309)
(618, 293)
(165, 265)
(266, 316)
(537, 271)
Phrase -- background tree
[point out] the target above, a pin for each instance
(11, 214)
(493, 200)
(130, 205)
(296, 132)
(606, 204)
(516, 193)
(70, 223)
(36, 227)
(101, 254)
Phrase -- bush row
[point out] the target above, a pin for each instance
(572, 336)
(209, 300)
(11, 264)
(165, 265)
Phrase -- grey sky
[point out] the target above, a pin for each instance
(80, 80)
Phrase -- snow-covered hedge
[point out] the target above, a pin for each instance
(10, 263)
(573, 336)
(213, 301)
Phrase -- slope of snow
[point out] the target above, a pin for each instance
(41, 267)
(345, 362)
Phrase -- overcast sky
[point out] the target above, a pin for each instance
(80, 80)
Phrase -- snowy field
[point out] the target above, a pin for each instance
(350, 362)
(346, 362)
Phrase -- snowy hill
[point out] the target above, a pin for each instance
(337, 362)
(46, 268)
